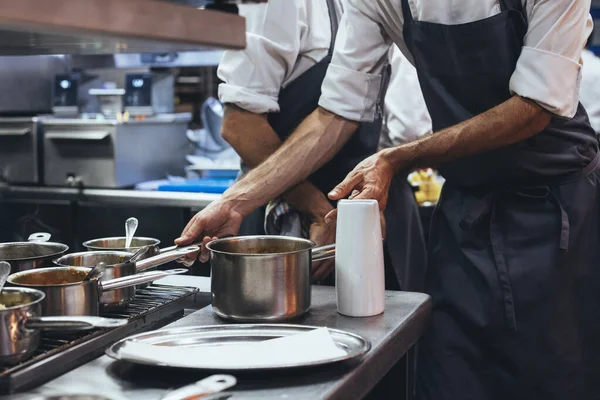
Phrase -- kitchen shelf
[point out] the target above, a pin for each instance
(33, 27)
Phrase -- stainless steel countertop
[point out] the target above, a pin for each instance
(392, 334)
(48, 195)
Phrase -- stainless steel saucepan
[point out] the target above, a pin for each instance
(117, 266)
(263, 278)
(21, 323)
(67, 294)
(35, 253)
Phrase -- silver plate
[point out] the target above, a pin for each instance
(355, 346)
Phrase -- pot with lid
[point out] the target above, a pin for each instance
(35, 253)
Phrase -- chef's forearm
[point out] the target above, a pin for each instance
(313, 144)
(512, 121)
(254, 140)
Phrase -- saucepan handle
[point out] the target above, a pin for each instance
(165, 257)
(73, 323)
(138, 279)
(39, 237)
(323, 252)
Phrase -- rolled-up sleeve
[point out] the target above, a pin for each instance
(353, 81)
(253, 77)
(549, 68)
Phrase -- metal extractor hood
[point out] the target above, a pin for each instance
(34, 27)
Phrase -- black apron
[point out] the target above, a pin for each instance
(513, 255)
(404, 245)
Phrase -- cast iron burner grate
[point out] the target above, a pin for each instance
(152, 307)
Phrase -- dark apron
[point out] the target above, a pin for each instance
(513, 255)
(297, 101)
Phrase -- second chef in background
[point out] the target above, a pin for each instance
(272, 85)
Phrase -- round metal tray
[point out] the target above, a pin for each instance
(354, 346)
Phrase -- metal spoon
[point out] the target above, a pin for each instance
(136, 256)
(96, 272)
(131, 226)
(4, 273)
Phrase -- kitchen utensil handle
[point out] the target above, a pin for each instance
(75, 135)
(211, 385)
(14, 132)
(139, 279)
(323, 252)
(73, 323)
(165, 257)
(39, 237)
(172, 248)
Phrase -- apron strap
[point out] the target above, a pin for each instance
(334, 23)
(516, 5)
(408, 17)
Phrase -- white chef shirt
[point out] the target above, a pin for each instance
(284, 39)
(548, 70)
(590, 87)
(405, 114)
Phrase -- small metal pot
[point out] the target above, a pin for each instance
(21, 322)
(118, 244)
(263, 278)
(118, 267)
(35, 253)
(68, 295)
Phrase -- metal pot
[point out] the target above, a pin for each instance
(263, 278)
(68, 295)
(35, 253)
(117, 267)
(21, 322)
(118, 244)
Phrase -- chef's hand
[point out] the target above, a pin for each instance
(322, 233)
(370, 179)
(217, 220)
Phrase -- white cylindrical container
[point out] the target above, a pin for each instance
(359, 265)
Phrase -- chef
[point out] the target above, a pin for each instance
(268, 89)
(512, 263)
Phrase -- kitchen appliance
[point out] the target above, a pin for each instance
(67, 294)
(35, 253)
(111, 153)
(118, 265)
(65, 95)
(20, 150)
(61, 352)
(149, 93)
(263, 278)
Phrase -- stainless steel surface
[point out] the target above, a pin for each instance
(141, 252)
(354, 345)
(96, 153)
(391, 335)
(207, 386)
(262, 278)
(71, 397)
(113, 26)
(4, 273)
(20, 141)
(131, 226)
(82, 298)
(323, 252)
(135, 198)
(96, 272)
(17, 344)
(23, 256)
(73, 323)
(119, 267)
(118, 244)
(210, 58)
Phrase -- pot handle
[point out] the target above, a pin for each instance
(165, 257)
(323, 252)
(138, 279)
(73, 323)
(39, 237)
